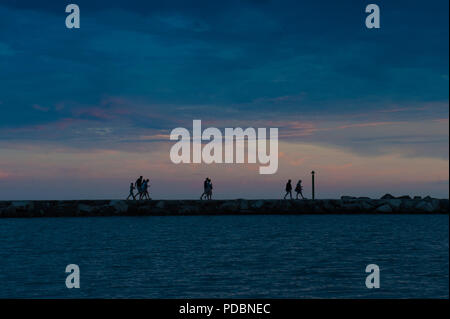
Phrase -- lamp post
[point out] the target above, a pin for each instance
(313, 190)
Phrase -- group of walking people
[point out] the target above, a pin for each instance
(298, 189)
(141, 185)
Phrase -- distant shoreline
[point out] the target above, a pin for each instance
(345, 205)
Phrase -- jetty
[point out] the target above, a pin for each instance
(344, 205)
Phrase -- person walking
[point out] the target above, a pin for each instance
(288, 189)
(209, 190)
(145, 186)
(131, 192)
(205, 188)
(299, 189)
(138, 185)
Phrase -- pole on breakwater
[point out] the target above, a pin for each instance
(313, 187)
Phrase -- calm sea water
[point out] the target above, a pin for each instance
(225, 256)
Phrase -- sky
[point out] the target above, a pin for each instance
(83, 112)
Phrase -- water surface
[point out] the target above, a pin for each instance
(226, 256)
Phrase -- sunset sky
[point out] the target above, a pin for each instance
(83, 112)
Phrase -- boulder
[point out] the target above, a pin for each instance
(366, 206)
(258, 204)
(395, 203)
(436, 204)
(20, 205)
(417, 197)
(443, 205)
(404, 197)
(351, 208)
(243, 204)
(84, 208)
(424, 206)
(188, 209)
(161, 205)
(408, 205)
(384, 209)
(230, 206)
(328, 206)
(119, 206)
(23, 206)
(387, 196)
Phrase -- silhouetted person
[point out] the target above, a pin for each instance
(138, 185)
(209, 190)
(205, 188)
(299, 189)
(288, 189)
(144, 193)
(131, 192)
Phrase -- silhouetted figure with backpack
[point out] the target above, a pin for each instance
(299, 189)
(288, 189)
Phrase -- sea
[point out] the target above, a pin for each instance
(257, 256)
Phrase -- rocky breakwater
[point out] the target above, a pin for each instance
(346, 205)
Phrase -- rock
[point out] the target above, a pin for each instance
(188, 209)
(435, 203)
(366, 206)
(160, 205)
(384, 209)
(351, 208)
(243, 204)
(119, 206)
(395, 203)
(404, 197)
(258, 204)
(228, 206)
(427, 198)
(387, 196)
(328, 206)
(23, 205)
(424, 206)
(417, 197)
(85, 208)
(336, 203)
(408, 205)
(443, 205)
(20, 204)
(345, 198)
(10, 211)
(365, 198)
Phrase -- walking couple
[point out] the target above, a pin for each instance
(207, 189)
(298, 189)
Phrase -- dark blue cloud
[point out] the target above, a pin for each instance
(233, 54)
